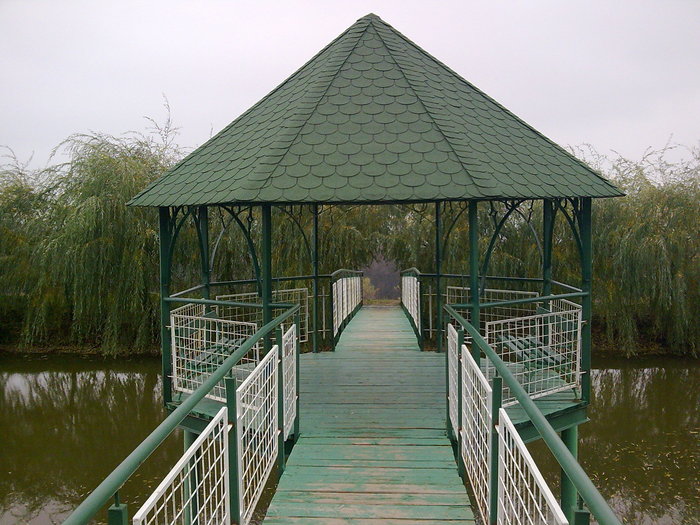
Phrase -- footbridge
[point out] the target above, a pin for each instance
(301, 405)
(378, 430)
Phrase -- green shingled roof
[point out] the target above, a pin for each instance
(374, 118)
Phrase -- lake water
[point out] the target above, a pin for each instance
(66, 422)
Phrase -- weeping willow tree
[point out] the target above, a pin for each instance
(93, 262)
(78, 267)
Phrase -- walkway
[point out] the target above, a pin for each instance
(373, 447)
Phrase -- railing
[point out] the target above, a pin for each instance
(256, 432)
(543, 351)
(518, 491)
(523, 495)
(452, 378)
(196, 490)
(109, 488)
(283, 295)
(461, 295)
(200, 344)
(347, 297)
(410, 297)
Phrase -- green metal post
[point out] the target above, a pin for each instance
(117, 513)
(234, 488)
(568, 490)
(461, 468)
(438, 271)
(474, 262)
(203, 234)
(166, 239)
(314, 262)
(190, 487)
(585, 230)
(281, 457)
(548, 232)
(496, 400)
(297, 419)
(267, 267)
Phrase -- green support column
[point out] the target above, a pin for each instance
(234, 488)
(203, 235)
(266, 252)
(438, 271)
(188, 438)
(314, 262)
(166, 239)
(585, 230)
(281, 456)
(548, 233)
(496, 402)
(568, 491)
(474, 262)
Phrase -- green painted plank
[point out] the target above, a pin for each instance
(350, 498)
(357, 510)
(286, 520)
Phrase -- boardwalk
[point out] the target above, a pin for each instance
(373, 447)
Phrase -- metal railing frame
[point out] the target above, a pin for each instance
(335, 276)
(594, 501)
(109, 488)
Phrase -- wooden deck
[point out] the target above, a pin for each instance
(373, 447)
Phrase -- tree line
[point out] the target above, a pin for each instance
(79, 269)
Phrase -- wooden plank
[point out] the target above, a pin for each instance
(358, 510)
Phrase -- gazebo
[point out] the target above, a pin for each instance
(374, 119)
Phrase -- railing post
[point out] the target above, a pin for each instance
(461, 469)
(496, 398)
(190, 487)
(234, 487)
(568, 491)
(117, 514)
(281, 456)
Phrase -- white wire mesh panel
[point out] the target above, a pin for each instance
(523, 496)
(201, 343)
(452, 376)
(196, 490)
(289, 372)
(256, 432)
(542, 351)
(475, 445)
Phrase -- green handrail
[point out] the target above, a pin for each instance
(539, 298)
(113, 482)
(337, 273)
(589, 493)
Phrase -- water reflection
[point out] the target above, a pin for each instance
(642, 445)
(66, 423)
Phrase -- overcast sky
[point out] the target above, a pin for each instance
(620, 75)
